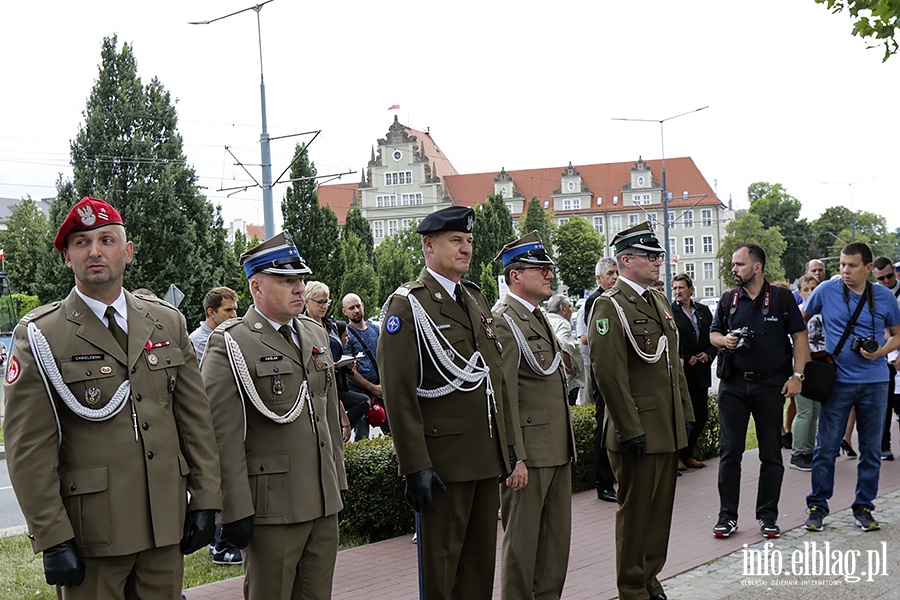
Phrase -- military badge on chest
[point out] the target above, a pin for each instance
(91, 396)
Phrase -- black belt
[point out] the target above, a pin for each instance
(751, 376)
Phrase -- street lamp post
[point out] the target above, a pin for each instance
(665, 191)
(265, 151)
(852, 216)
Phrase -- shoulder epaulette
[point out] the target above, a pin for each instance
(305, 318)
(610, 292)
(39, 312)
(470, 284)
(402, 291)
(229, 324)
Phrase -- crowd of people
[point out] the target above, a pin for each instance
(131, 443)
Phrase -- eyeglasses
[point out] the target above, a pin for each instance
(888, 276)
(651, 256)
(545, 269)
(320, 302)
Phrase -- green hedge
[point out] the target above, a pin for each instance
(377, 510)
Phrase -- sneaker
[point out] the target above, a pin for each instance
(725, 527)
(769, 529)
(227, 556)
(801, 462)
(886, 455)
(865, 521)
(816, 520)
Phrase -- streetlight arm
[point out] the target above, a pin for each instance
(256, 8)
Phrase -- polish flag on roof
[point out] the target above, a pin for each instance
(394, 107)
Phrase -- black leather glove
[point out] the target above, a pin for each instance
(237, 533)
(688, 427)
(513, 459)
(343, 512)
(419, 486)
(199, 530)
(636, 447)
(63, 565)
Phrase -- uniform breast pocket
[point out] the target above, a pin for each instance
(163, 364)
(93, 383)
(86, 500)
(535, 429)
(646, 336)
(320, 372)
(272, 379)
(269, 483)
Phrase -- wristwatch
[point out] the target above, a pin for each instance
(799, 376)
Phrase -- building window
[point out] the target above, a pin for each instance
(397, 155)
(598, 224)
(503, 192)
(671, 220)
(570, 186)
(641, 199)
(411, 199)
(633, 219)
(690, 270)
(707, 244)
(688, 243)
(615, 224)
(562, 221)
(392, 227)
(709, 270)
(706, 217)
(572, 204)
(378, 229)
(397, 178)
(509, 207)
(385, 201)
(687, 220)
(654, 221)
(406, 223)
(709, 291)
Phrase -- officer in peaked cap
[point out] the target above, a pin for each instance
(633, 343)
(536, 498)
(452, 433)
(110, 444)
(278, 430)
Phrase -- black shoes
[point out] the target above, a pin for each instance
(787, 440)
(725, 527)
(886, 455)
(607, 495)
(769, 529)
(816, 520)
(847, 449)
(865, 521)
(801, 462)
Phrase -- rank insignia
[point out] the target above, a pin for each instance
(438, 296)
(392, 325)
(277, 385)
(602, 326)
(92, 396)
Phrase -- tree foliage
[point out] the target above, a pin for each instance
(314, 228)
(398, 259)
(836, 227)
(54, 278)
(877, 20)
(128, 152)
(24, 243)
(747, 228)
(776, 208)
(356, 223)
(493, 229)
(359, 276)
(536, 218)
(578, 248)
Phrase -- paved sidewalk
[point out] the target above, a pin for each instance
(699, 567)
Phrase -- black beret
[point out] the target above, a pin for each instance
(452, 218)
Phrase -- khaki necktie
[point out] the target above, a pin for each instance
(540, 319)
(117, 332)
(288, 334)
(459, 297)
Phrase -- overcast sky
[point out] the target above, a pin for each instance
(793, 97)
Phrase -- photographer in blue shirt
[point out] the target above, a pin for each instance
(861, 381)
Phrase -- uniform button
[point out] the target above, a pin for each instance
(434, 430)
(539, 347)
(262, 468)
(88, 373)
(317, 418)
(322, 444)
(133, 370)
(274, 369)
(72, 488)
(150, 455)
(138, 398)
(528, 420)
(168, 361)
(145, 426)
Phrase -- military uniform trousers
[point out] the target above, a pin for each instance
(537, 525)
(459, 541)
(643, 520)
(285, 562)
(112, 577)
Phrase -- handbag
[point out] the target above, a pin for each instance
(821, 371)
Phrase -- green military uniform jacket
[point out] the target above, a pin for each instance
(118, 486)
(539, 403)
(653, 399)
(452, 434)
(283, 473)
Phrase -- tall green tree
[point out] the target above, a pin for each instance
(536, 218)
(128, 152)
(357, 224)
(776, 208)
(833, 230)
(398, 259)
(24, 243)
(747, 228)
(578, 248)
(493, 229)
(359, 277)
(877, 20)
(314, 228)
(54, 280)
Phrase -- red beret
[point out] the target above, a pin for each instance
(89, 213)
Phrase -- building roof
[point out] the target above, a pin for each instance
(339, 197)
(441, 165)
(603, 180)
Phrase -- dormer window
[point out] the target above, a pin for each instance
(397, 155)
(571, 186)
(640, 180)
(503, 191)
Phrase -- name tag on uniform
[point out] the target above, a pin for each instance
(445, 326)
(640, 321)
(271, 358)
(83, 357)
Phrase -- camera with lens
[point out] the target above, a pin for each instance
(745, 337)
(869, 344)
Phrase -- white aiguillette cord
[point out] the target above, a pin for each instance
(525, 350)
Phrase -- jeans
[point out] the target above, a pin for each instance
(870, 400)
(805, 425)
(700, 404)
(738, 399)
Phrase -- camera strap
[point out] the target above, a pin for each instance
(867, 296)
